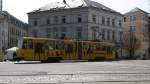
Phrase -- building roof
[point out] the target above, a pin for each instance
(66, 4)
(13, 19)
(136, 10)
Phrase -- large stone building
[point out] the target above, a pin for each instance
(10, 30)
(136, 32)
(78, 19)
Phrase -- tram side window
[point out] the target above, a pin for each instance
(100, 47)
(30, 44)
(69, 48)
(109, 49)
(24, 45)
(27, 44)
(39, 48)
(60, 45)
(46, 45)
(51, 45)
(90, 49)
(85, 46)
(94, 47)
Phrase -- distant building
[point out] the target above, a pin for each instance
(10, 30)
(136, 32)
(78, 19)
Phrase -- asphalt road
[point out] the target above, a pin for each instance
(109, 72)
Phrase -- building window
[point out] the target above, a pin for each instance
(145, 17)
(56, 19)
(125, 19)
(95, 32)
(48, 32)
(113, 22)
(132, 18)
(35, 23)
(103, 34)
(63, 29)
(35, 32)
(103, 20)
(63, 19)
(79, 19)
(120, 23)
(55, 31)
(120, 36)
(94, 18)
(113, 35)
(132, 29)
(63, 34)
(79, 33)
(108, 21)
(48, 21)
(108, 35)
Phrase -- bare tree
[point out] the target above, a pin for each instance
(130, 43)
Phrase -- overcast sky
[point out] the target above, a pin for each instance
(20, 8)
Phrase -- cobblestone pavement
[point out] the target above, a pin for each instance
(109, 72)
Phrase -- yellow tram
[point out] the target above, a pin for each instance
(50, 50)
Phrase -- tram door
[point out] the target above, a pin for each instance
(79, 50)
(38, 51)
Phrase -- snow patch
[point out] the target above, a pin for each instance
(72, 4)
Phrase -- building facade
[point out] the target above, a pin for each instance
(136, 32)
(10, 30)
(78, 19)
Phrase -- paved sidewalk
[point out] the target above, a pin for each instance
(115, 72)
